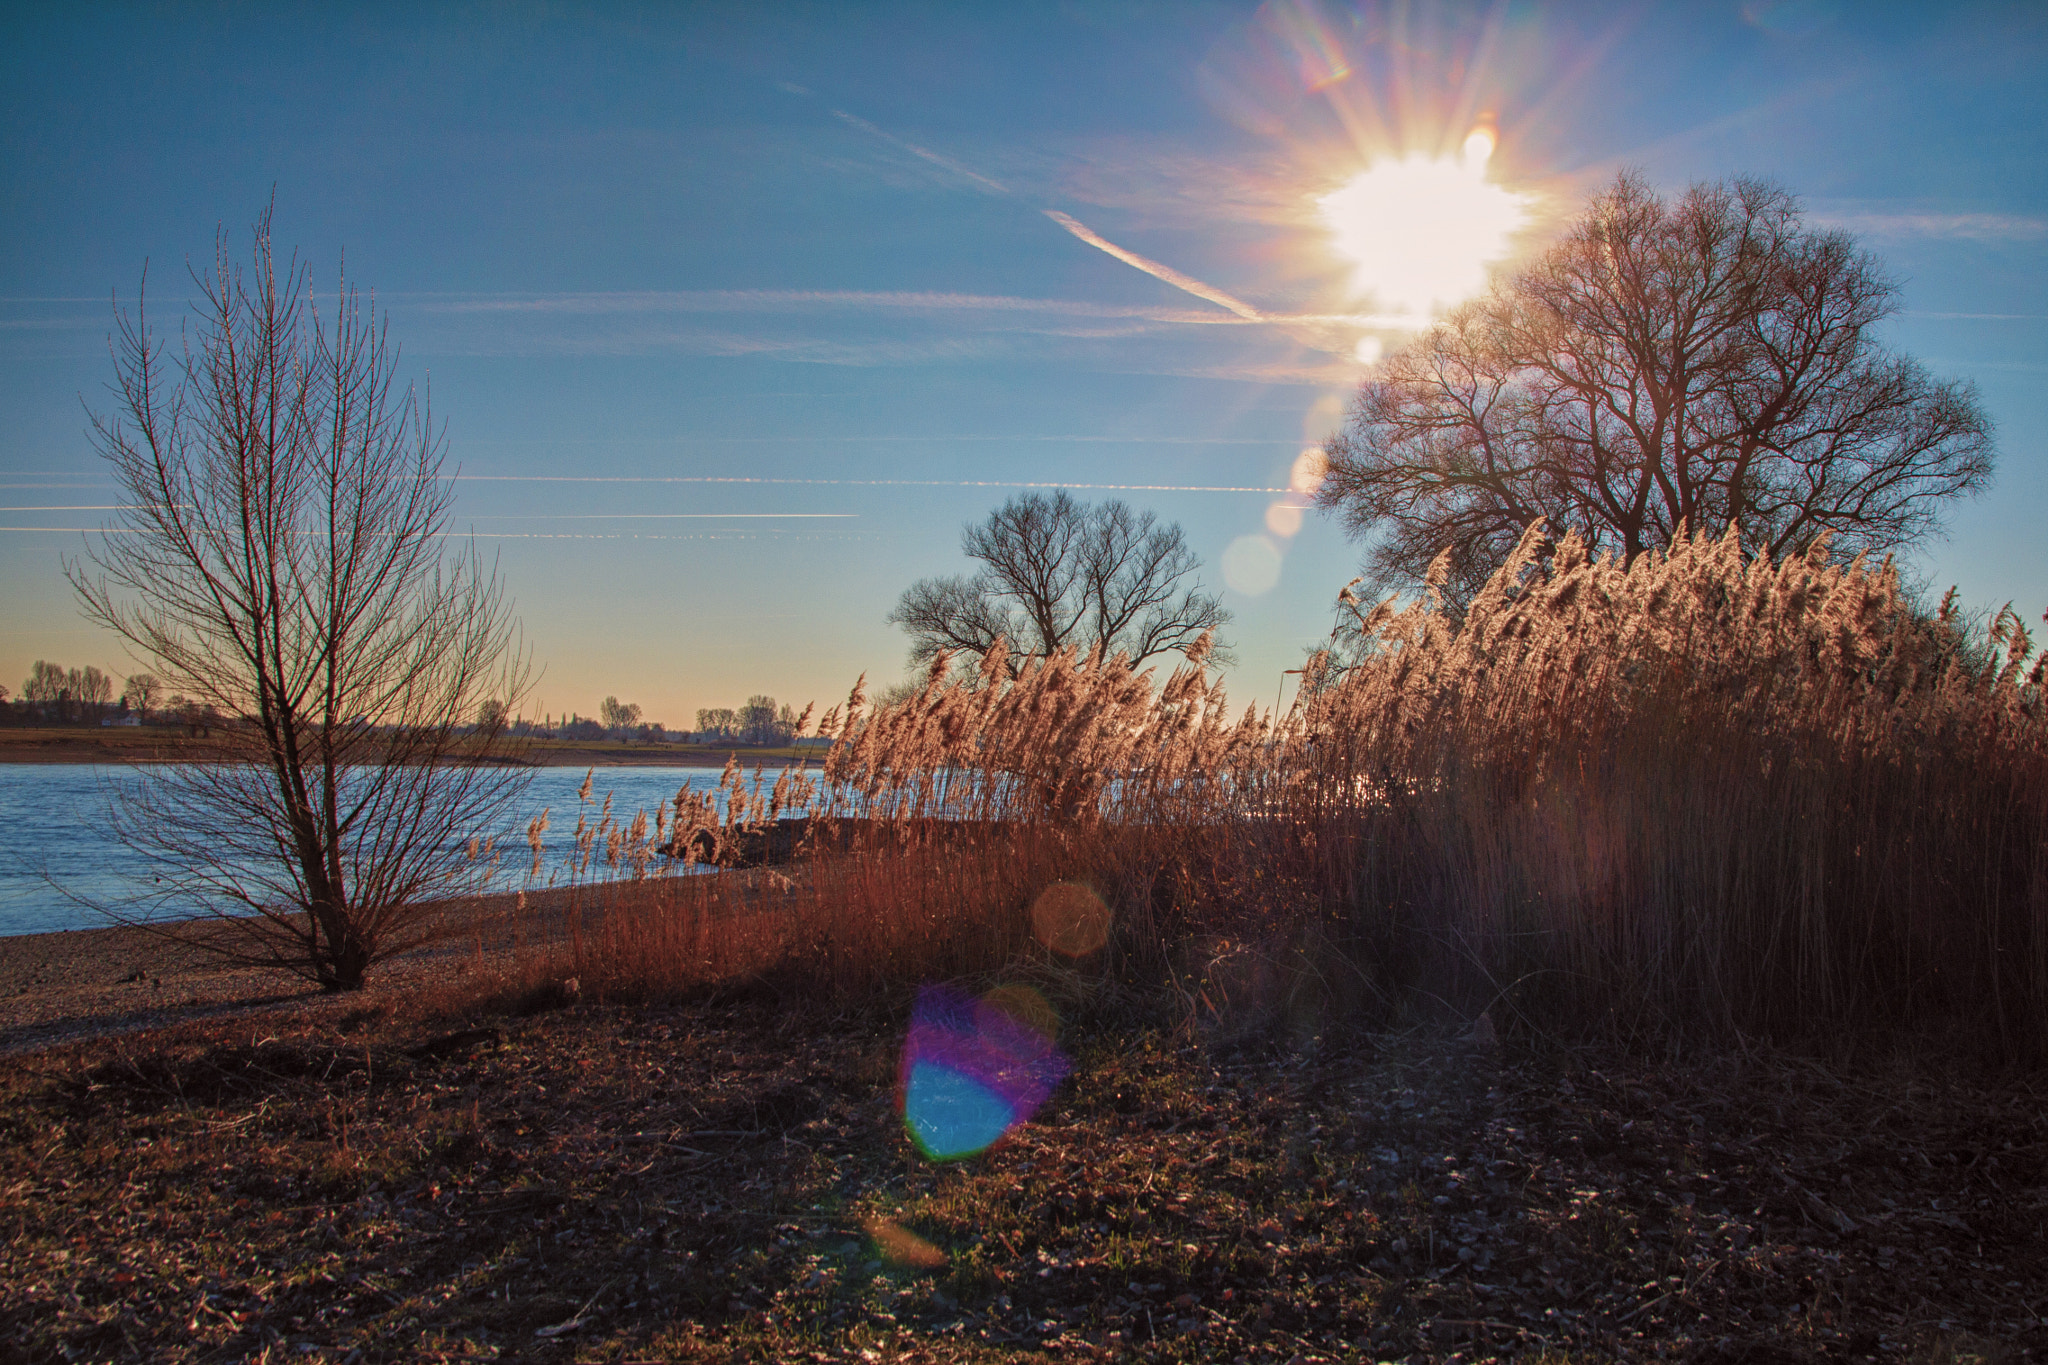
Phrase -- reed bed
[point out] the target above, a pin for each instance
(1693, 796)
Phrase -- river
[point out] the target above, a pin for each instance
(55, 850)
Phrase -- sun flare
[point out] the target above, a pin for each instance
(1420, 231)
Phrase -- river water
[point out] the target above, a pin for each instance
(55, 850)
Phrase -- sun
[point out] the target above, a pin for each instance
(1420, 231)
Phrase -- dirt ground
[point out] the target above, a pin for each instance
(88, 983)
(730, 1179)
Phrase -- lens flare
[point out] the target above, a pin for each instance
(1070, 919)
(1283, 519)
(900, 1246)
(1324, 419)
(1019, 1005)
(1251, 565)
(1310, 468)
(1421, 231)
(975, 1069)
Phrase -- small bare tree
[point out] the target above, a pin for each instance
(1702, 362)
(1057, 573)
(282, 562)
(140, 693)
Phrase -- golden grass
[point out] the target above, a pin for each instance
(1690, 796)
(1687, 793)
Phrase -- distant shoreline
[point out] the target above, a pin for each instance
(168, 744)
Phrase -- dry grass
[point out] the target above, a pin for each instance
(1695, 797)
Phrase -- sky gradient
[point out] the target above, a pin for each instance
(735, 314)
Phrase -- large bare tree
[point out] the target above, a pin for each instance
(1057, 573)
(281, 559)
(1700, 361)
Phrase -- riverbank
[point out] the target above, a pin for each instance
(170, 744)
(82, 985)
(95, 983)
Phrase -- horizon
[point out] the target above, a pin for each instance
(735, 319)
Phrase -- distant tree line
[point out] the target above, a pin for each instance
(615, 722)
(759, 722)
(55, 695)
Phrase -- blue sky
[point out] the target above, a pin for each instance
(735, 314)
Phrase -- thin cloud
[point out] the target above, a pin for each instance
(1969, 227)
(1305, 330)
(943, 162)
(702, 535)
(770, 300)
(885, 439)
(1147, 184)
(2011, 366)
(866, 483)
(765, 533)
(675, 516)
(646, 340)
(1335, 375)
(1973, 317)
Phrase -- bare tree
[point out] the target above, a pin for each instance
(1701, 362)
(761, 723)
(1057, 573)
(45, 687)
(140, 692)
(67, 694)
(618, 715)
(282, 563)
(90, 690)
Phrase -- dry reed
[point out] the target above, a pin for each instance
(1688, 795)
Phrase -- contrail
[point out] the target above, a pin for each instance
(517, 535)
(1186, 283)
(945, 162)
(898, 438)
(640, 535)
(865, 483)
(675, 516)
